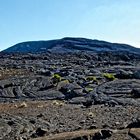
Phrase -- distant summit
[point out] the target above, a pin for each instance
(70, 44)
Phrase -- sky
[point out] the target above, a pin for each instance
(109, 20)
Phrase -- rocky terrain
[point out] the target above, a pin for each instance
(69, 44)
(80, 95)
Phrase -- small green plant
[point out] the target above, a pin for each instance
(88, 89)
(91, 78)
(109, 76)
(56, 78)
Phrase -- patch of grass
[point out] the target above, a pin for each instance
(109, 76)
(88, 89)
(91, 78)
(56, 78)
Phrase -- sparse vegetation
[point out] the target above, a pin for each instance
(91, 78)
(79, 92)
(88, 89)
(56, 78)
(109, 76)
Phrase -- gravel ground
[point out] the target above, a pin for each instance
(52, 117)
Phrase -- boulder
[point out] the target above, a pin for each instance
(5, 129)
(72, 90)
(77, 100)
(122, 74)
(136, 74)
(136, 93)
(44, 72)
(50, 94)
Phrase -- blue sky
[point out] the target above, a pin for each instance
(110, 20)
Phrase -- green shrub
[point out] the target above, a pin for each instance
(109, 76)
(91, 78)
(88, 89)
(56, 78)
